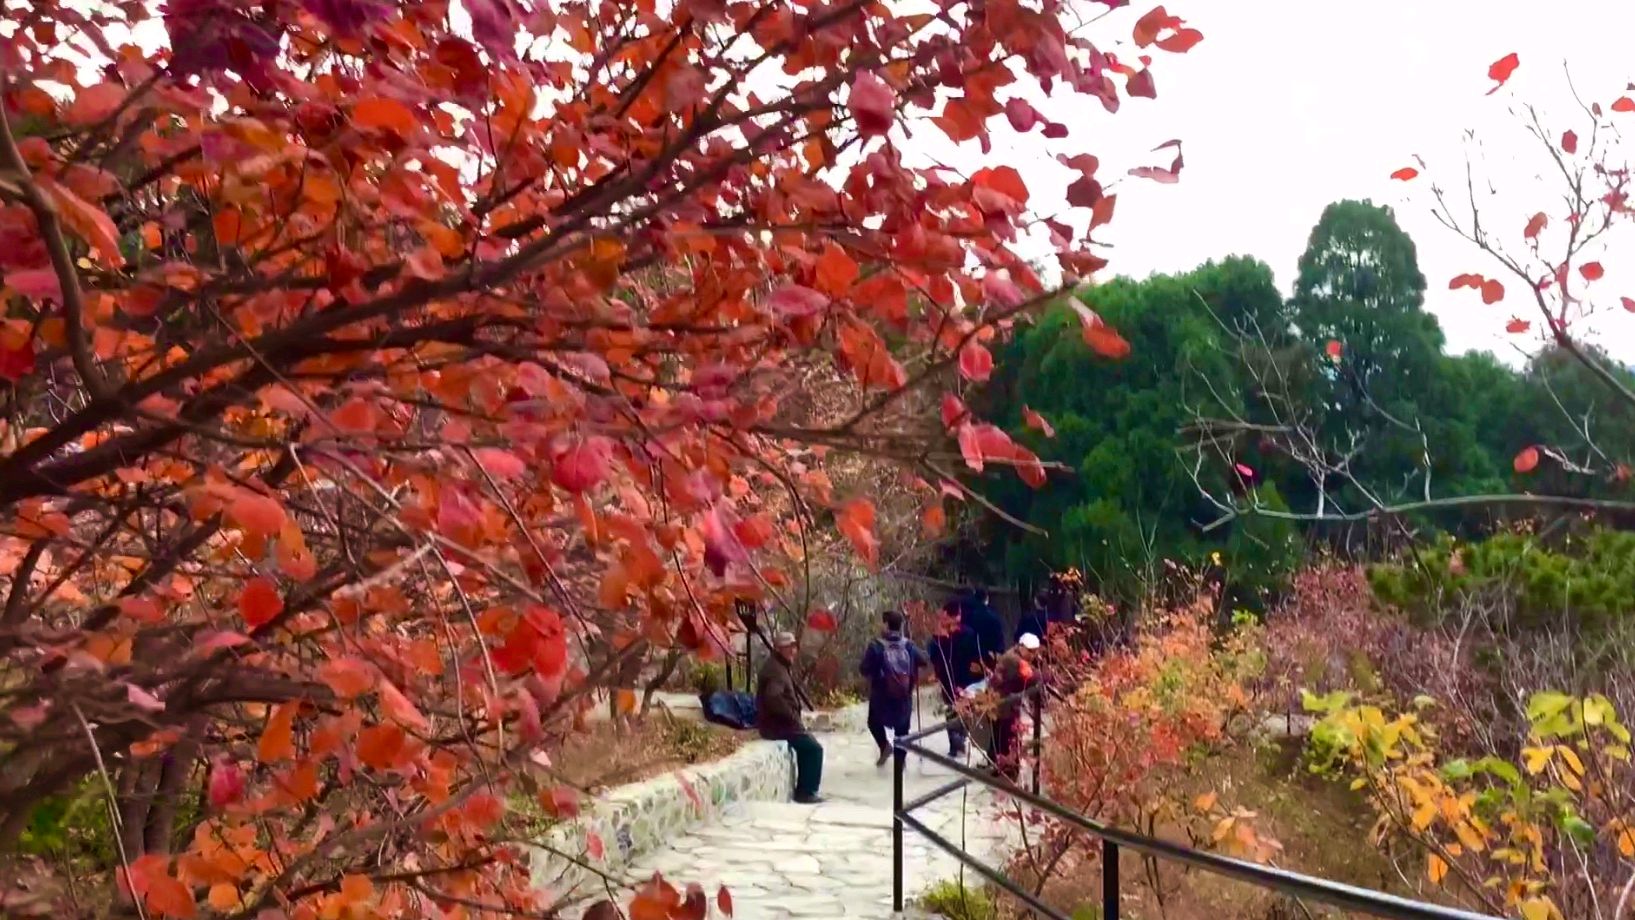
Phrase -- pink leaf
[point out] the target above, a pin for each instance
(975, 362)
(36, 284)
(872, 103)
(797, 300)
(501, 464)
(142, 699)
(1158, 174)
(1038, 422)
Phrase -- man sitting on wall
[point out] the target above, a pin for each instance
(777, 715)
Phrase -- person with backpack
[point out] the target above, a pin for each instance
(891, 664)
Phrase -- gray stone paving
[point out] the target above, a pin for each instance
(782, 860)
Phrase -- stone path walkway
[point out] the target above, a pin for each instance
(782, 860)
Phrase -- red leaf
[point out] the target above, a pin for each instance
(1334, 349)
(975, 362)
(1536, 225)
(501, 464)
(1492, 291)
(1405, 173)
(872, 104)
(583, 465)
(1624, 104)
(560, 801)
(723, 901)
(1468, 279)
(1517, 326)
(1023, 117)
(1569, 142)
(381, 746)
(856, 520)
(1592, 271)
(397, 707)
(1501, 70)
(168, 897)
(796, 300)
(1158, 174)
(1527, 460)
(821, 621)
(1037, 422)
(1629, 303)
(87, 220)
(953, 410)
(141, 609)
(1141, 84)
(259, 602)
(594, 847)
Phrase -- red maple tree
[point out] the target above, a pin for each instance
(378, 379)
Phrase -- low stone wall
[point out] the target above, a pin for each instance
(634, 819)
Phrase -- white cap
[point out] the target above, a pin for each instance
(1028, 641)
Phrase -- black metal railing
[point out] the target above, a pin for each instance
(1113, 840)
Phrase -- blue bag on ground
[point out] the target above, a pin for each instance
(730, 708)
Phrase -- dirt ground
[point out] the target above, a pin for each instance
(608, 755)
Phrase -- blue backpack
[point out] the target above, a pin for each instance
(897, 668)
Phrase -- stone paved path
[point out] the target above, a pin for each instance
(782, 860)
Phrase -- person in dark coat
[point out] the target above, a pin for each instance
(955, 661)
(777, 716)
(985, 623)
(1037, 619)
(891, 664)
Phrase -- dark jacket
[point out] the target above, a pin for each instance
(954, 660)
(777, 706)
(989, 629)
(1035, 621)
(873, 666)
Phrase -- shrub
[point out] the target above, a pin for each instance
(951, 898)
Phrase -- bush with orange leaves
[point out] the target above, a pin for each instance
(1129, 742)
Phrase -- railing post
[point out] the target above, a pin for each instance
(899, 767)
(1109, 880)
(1038, 736)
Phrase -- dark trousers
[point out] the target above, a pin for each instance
(1002, 749)
(878, 726)
(808, 764)
(957, 734)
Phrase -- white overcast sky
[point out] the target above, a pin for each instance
(1288, 105)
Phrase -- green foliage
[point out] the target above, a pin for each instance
(1586, 581)
(1130, 503)
(73, 827)
(950, 898)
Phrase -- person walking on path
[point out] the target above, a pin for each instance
(1014, 674)
(985, 623)
(955, 661)
(777, 716)
(891, 664)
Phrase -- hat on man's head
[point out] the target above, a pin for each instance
(1029, 641)
(783, 639)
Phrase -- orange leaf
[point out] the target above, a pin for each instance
(1436, 869)
(1527, 460)
(1501, 70)
(94, 103)
(856, 520)
(259, 602)
(355, 889)
(399, 709)
(1517, 326)
(278, 738)
(1536, 225)
(256, 513)
(624, 700)
(1624, 104)
(935, 520)
(349, 677)
(1492, 291)
(384, 113)
(381, 746)
(836, 271)
(1405, 173)
(168, 897)
(1038, 422)
(89, 222)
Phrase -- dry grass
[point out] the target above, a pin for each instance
(608, 755)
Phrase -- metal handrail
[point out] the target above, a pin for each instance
(1348, 897)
